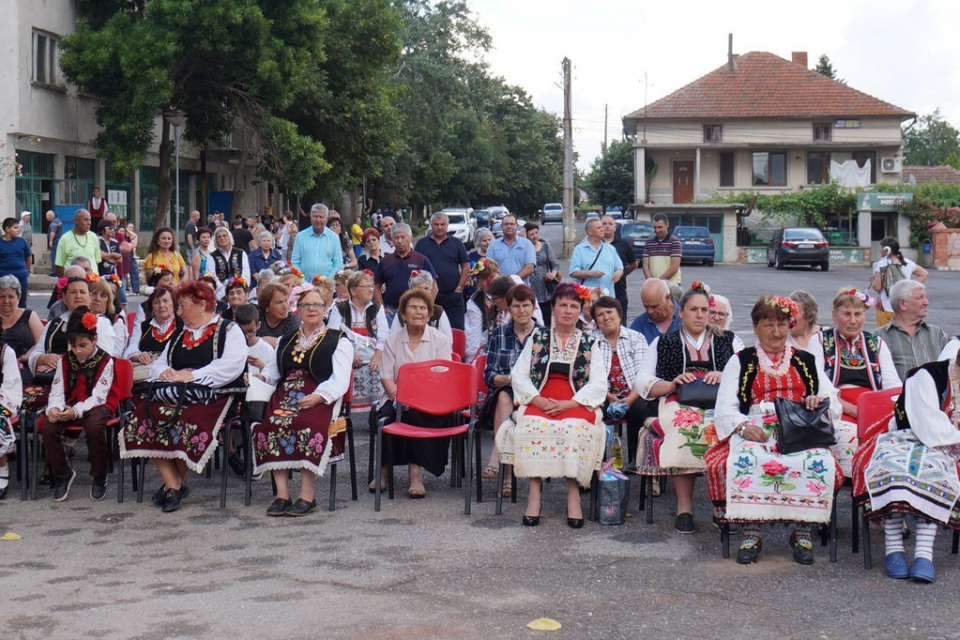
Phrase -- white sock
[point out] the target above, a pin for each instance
(4, 476)
(926, 534)
(893, 534)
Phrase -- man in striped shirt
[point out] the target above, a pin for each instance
(662, 253)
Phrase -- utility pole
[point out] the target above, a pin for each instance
(606, 108)
(569, 234)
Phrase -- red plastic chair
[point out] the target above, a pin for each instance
(131, 323)
(481, 364)
(460, 344)
(417, 386)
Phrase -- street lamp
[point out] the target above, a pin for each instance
(176, 118)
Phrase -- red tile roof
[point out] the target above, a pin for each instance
(923, 175)
(765, 85)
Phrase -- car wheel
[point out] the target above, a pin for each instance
(825, 265)
(778, 264)
(709, 263)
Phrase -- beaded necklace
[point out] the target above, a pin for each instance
(781, 367)
(163, 336)
(307, 343)
(190, 343)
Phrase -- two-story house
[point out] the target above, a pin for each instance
(764, 124)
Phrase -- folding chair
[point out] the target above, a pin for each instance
(460, 344)
(346, 411)
(417, 388)
(250, 412)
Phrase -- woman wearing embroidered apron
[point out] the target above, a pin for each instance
(856, 361)
(177, 425)
(150, 337)
(227, 261)
(559, 383)
(423, 280)
(674, 444)
(748, 479)
(367, 330)
(302, 426)
(914, 469)
(11, 397)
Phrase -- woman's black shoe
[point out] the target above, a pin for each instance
(174, 497)
(159, 498)
(531, 521)
(237, 465)
(278, 508)
(301, 508)
(574, 523)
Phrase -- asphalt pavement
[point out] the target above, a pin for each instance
(422, 569)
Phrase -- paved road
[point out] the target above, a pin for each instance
(421, 569)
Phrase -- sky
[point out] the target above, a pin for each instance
(624, 52)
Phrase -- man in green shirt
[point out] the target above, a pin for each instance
(78, 242)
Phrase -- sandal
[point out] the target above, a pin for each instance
(507, 491)
(416, 490)
(490, 472)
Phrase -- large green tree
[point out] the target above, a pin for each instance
(932, 141)
(610, 181)
(228, 65)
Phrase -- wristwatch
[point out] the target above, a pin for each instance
(459, 290)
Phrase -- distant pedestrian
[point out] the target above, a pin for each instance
(54, 231)
(97, 206)
(663, 252)
(26, 228)
(190, 241)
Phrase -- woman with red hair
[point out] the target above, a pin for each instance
(176, 420)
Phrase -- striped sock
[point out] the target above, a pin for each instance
(926, 534)
(893, 534)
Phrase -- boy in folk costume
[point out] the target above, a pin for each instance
(80, 395)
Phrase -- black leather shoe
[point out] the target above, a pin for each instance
(279, 508)
(802, 550)
(530, 521)
(174, 497)
(301, 508)
(574, 523)
(749, 551)
(159, 497)
(237, 465)
(684, 523)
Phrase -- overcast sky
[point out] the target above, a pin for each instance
(901, 51)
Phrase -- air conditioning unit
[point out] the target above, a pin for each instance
(891, 165)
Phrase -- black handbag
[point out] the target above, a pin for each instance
(799, 428)
(698, 394)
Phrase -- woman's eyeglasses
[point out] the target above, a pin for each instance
(720, 314)
(311, 306)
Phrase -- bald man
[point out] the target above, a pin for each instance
(78, 242)
(661, 314)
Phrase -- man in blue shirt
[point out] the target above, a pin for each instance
(449, 257)
(316, 251)
(595, 263)
(662, 314)
(516, 256)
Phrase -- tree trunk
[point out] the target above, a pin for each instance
(238, 184)
(164, 183)
(203, 184)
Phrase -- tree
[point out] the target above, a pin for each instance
(610, 182)
(825, 67)
(932, 141)
(228, 65)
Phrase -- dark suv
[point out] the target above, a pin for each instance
(798, 245)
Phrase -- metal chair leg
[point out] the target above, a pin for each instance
(353, 460)
(865, 539)
(725, 539)
(855, 528)
(478, 465)
(34, 467)
(143, 469)
(247, 463)
(223, 471)
(378, 455)
(955, 547)
(468, 477)
(833, 533)
(333, 488)
(499, 509)
(649, 509)
(23, 455)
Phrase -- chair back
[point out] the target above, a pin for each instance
(122, 388)
(454, 356)
(348, 396)
(131, 323)
(418, 384)
(460, 343)
(874, 410)
(481, 364)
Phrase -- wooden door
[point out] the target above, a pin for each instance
(682, 181)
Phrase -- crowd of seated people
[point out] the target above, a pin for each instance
(694, 399)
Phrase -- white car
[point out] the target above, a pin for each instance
(462, 224)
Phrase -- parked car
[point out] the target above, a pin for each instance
(498, 212)
(798, 245)
(637, 233)
(697, 244)
(483, 218)
(462, 224)
(592, 215)
(615, 212)
(552, 212)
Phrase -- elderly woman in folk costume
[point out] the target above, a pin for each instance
(365, 323)
(423, 280)
(915, 469)
(302, 426)
(159, 276)
(559, 382)
(856, 361)
(482, 309)
(103, 303)
(748, 478)
(11, 397)
(176, 421)
(688, 361)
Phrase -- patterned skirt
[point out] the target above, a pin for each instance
(367, 388)
(754, 482)
(190, 436)
(675, 442)
(567, 446)
(846, 432)
(293, 438)
(35, 397)
(7, 437)
(905, 476)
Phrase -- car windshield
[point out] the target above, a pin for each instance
(637, 230)
(803, 234)
(692, 232)
(553, 207)
(455, 218)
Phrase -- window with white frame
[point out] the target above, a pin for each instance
(45, 52)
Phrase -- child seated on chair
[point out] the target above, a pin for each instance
(261, 352)
(80, 396)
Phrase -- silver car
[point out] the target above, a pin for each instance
(552, 212)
